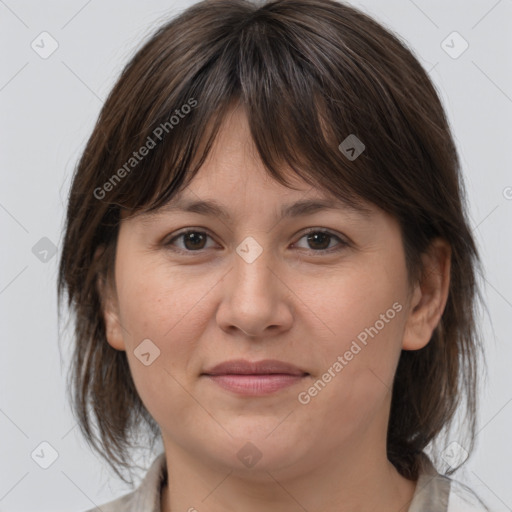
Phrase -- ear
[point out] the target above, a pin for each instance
(110, 307)
(429, 296)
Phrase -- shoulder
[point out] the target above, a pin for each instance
(463, 499)
(123, 504)
(146, 498)
(435, 491)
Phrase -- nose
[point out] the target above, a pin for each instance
(255, 299)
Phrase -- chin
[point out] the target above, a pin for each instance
(258, 447)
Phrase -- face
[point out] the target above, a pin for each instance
(324, 290)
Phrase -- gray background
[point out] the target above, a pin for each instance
(48, 108)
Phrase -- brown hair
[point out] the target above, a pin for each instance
(308, 73)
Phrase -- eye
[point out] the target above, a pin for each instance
(320, 241)
(193, 240)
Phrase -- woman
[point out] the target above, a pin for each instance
(268, 259)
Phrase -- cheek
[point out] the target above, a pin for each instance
(365, 303)
(364, 310)
(161, 303)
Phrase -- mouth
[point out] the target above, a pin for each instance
(255, 378)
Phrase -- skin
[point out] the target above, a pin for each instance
(294, 303)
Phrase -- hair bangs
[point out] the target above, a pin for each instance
(288, 132)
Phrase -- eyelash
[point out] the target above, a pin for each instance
(341, 243)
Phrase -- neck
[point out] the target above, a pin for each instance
(344, 484)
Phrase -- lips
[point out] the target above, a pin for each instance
(264, 367)
(257, 378)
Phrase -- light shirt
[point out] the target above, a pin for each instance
(434, 492)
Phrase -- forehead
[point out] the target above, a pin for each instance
(233, 174)
(187, 202)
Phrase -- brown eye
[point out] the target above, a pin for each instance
(194, 241)
(191, 240)
(318, 241)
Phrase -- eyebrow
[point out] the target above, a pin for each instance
(291, 210)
